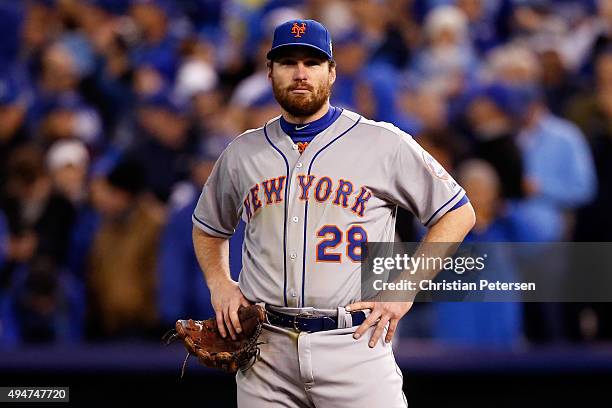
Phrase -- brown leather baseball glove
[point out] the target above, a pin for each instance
(202, 339)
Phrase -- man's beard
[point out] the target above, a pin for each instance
(301, 105)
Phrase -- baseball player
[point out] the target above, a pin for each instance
(311, 186)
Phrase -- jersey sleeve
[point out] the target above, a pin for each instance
(218, 209)
(420, 184)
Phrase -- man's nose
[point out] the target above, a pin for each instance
(300, 71)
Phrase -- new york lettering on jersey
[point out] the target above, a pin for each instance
(325, 189)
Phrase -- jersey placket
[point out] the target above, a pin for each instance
(294, 228)
(297, 238)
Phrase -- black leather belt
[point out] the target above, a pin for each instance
(310, 323)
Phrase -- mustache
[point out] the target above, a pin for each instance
(301, 87)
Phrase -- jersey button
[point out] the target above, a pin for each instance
(295, 219)
(293, 255)
(295, 147)
(299, 165)
(293, 293)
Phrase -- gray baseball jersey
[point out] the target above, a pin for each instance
(307, 214)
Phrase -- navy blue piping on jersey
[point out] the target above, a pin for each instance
(464, 200)
(444, 205)
(195, 217)
(306, 207)
(287, 184)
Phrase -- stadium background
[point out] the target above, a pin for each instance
(112, 113)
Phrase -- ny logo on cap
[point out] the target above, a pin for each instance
(298, 30)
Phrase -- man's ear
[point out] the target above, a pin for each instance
(332, 74)
(269, 66)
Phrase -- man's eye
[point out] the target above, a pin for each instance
(312, 63)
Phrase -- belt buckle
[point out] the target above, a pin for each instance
(295, 327)
(307, 315)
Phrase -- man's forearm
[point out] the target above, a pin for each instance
(445, 236)
(213, 256)
(441, 241)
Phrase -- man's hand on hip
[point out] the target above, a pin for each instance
(381, 314)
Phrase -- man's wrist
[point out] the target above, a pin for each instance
(213, 284)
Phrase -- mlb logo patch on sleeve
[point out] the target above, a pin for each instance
(434, 167)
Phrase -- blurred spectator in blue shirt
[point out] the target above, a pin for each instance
(478, 322)
(559, 169)
(182, 289)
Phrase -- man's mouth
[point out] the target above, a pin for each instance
(300, 89)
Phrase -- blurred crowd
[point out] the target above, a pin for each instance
(113, 112)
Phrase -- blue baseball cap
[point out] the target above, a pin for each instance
(305, 33)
